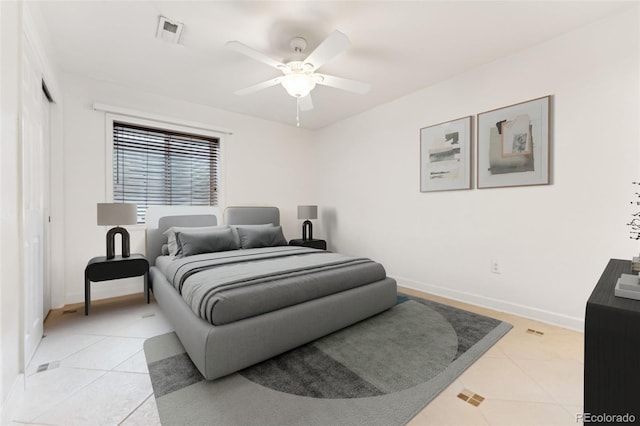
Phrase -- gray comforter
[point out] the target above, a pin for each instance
(229, 286)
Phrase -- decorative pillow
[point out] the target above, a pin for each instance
(174, 247)
(164, 250)
(210, 241)
(256, 237)
(235, 229)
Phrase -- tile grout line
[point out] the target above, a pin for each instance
(554, 402)
(554, 399)
(104, 373)
(121, 371)
(93, 344)
(135, 409)
(69, 396)
(67, 356)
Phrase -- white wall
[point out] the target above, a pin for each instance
(263, 164)
(552, 241)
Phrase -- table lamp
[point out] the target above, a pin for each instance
(307, 213)
(117, 214)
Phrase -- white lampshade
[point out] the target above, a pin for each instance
(307, 212)
(298, 85)
(117, 214)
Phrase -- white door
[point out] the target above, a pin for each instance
(33, 189)
(46, 197)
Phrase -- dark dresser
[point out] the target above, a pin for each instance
(612, 349)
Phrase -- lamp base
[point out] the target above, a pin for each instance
(111, 242)
(307, 228)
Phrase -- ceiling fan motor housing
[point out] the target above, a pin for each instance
(298, 44)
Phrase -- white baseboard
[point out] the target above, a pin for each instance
(16, 393)
(553, 318)
(108, 289)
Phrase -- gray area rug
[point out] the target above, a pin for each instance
(381, 371)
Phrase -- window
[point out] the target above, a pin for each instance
(160, 167)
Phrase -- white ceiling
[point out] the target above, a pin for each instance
(397, 46)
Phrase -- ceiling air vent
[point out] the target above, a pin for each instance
(169, 31)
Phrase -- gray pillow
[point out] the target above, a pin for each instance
(256, 237)
(235, 229)
(165, 250)
(210, 241)
(173, 244)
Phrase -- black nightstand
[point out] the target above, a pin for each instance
(316, 244)
(102, 269)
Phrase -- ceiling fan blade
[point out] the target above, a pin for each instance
(306, 104)
(259, 86)
(332, 46)
(254, 54)
(344, 84)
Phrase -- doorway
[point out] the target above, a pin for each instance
(35, 200)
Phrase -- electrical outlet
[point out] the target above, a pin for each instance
(495, 266)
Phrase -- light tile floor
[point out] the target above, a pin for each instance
(526, 378)
(97, 372)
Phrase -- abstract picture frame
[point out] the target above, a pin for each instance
(445, 155)
(513, 145)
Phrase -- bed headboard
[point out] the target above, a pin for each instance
(155, 238)
(241, 215)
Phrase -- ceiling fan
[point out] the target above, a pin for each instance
(300, 77)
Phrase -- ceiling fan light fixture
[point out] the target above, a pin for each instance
(300, 76)
(298, 85)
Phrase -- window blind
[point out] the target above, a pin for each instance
(160, 167)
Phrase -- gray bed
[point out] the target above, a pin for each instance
(236, 314)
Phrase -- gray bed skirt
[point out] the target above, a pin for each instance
(221, 350)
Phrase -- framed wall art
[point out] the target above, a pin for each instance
(445, 156)
(513, 145)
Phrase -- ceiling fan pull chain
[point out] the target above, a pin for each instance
(298, 112)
